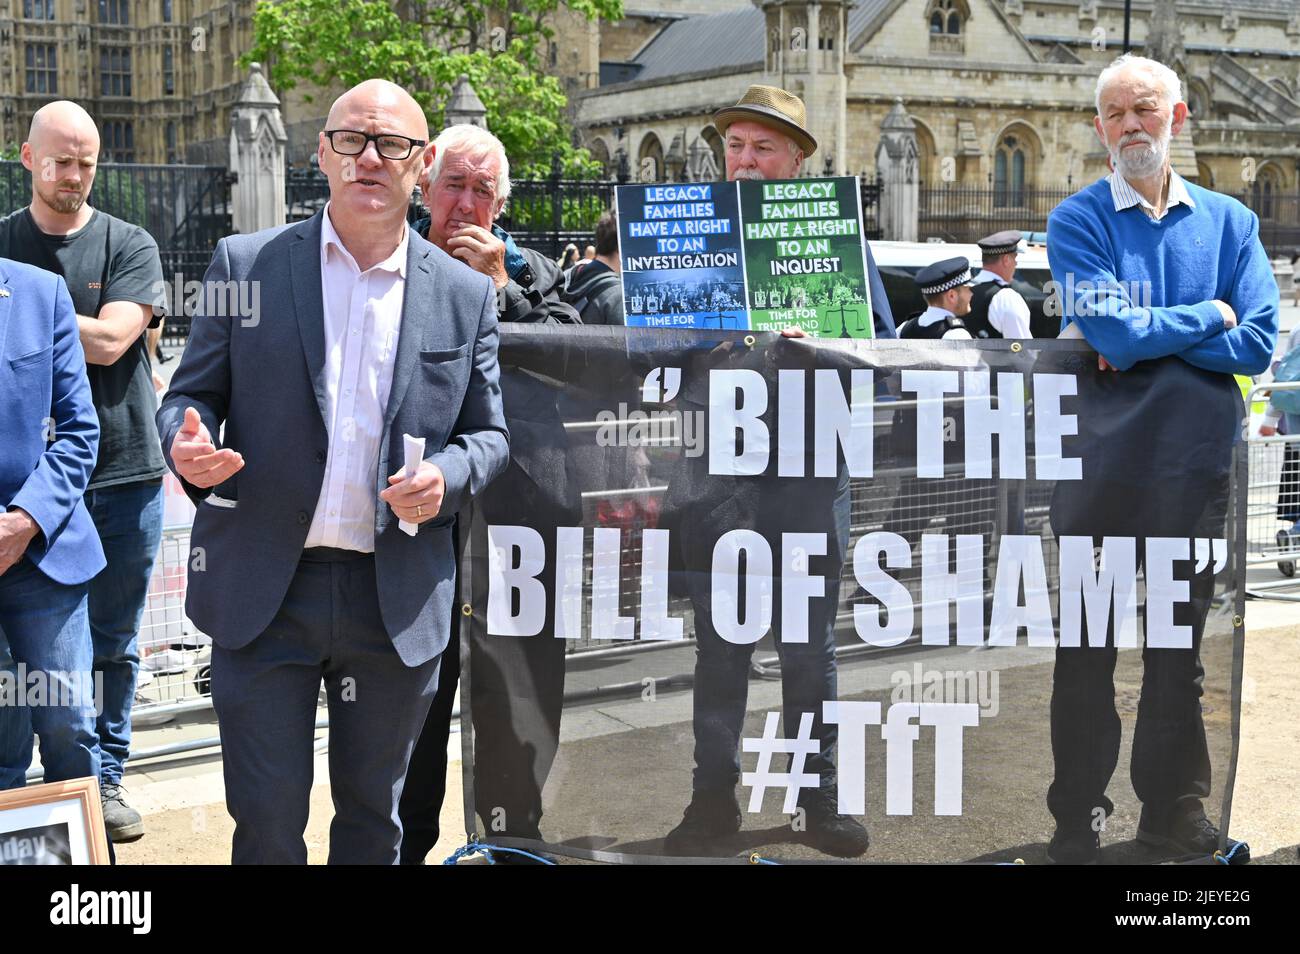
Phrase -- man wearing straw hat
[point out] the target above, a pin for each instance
(765, 139)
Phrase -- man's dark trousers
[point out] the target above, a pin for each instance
(1170, 760)
(329, 628)
(426, 778)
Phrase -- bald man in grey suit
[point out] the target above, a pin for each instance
(363, 333)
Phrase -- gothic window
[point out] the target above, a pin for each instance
(118, 141)
(115, 11)
(1264, 192)
(650, 160)
(115, 71)
(946, 19)
(169, 70)
(42, 68)
(946, 16)
(1009, 172)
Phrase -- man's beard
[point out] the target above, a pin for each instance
(1141, 163)
(62, 202)
(748, 174)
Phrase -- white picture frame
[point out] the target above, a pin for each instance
(58, 823)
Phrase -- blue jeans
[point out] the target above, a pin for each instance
(46, 627)
(15, 728)
(129, 520)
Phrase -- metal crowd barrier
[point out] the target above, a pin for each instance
(1274, 465)
(174, 657)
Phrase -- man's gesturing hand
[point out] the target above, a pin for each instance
(416, 499)
(197, 459)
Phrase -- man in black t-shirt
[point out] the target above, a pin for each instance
(114, 275)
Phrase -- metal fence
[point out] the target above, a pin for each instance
(956, 213)
(1279, 221)
(306, 190)
(185, 208)
(174, 657)
(548, 214)
(966, 214)
(1272, 509)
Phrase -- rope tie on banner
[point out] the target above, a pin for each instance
(757, 859)
(478, 848)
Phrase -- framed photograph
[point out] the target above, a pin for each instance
(59, 823)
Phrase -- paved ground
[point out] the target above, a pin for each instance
(187, 823)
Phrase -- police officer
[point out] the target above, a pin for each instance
(946, 286)
(997, 310)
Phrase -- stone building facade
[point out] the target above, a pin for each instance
(1000, 91)
(159, 76)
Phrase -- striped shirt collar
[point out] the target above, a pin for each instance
(1125, 196)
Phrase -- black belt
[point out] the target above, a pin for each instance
(332, 555)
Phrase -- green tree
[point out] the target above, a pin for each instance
(498, 44)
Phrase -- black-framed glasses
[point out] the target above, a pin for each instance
(353, 142)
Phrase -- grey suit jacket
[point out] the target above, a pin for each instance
(261, 376)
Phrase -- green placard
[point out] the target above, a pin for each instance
(804, 260)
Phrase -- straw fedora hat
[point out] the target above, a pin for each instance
(772, 107)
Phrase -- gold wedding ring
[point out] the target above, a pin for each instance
(419, 512)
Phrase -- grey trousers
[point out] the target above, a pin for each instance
(328, 628)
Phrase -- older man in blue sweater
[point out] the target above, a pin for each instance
(1169, 282)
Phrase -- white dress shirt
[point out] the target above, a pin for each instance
(363, 315)
(1008, 312)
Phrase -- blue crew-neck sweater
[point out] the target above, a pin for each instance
(1141, 289)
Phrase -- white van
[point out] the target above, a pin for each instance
(900, 261)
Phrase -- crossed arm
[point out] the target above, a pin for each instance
(1233, 336)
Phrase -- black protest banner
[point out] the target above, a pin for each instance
(939, 593)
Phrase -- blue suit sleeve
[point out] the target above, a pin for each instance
(882, 314)
(202, 379)
(479, 448)
(52, 491)
(1254, 296)
(1094, 298)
